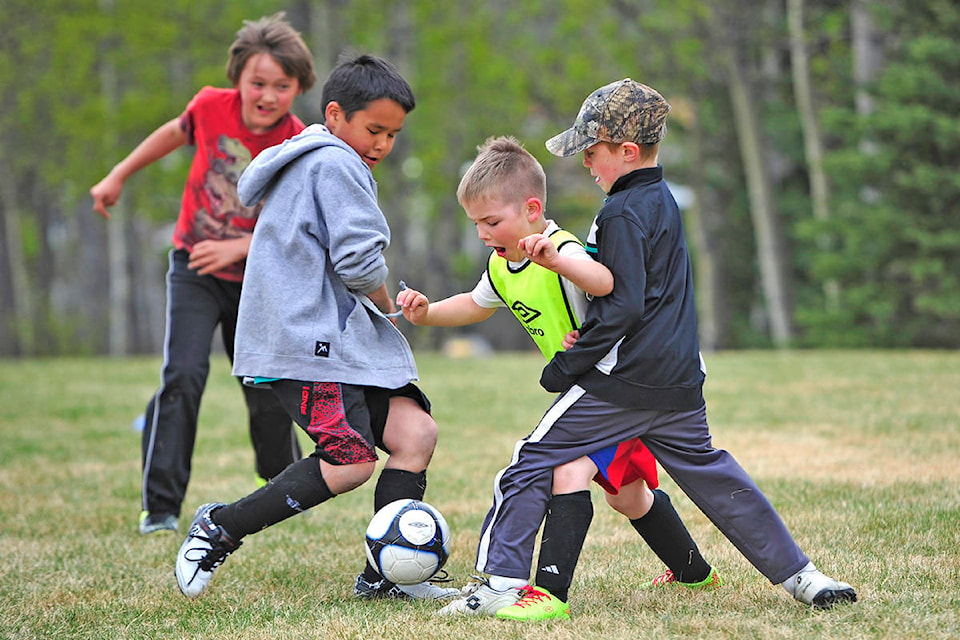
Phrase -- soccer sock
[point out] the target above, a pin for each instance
(299, 487)
(664, 532)
(397, 484)
(502, 583)
(394, 484)
(564, 530)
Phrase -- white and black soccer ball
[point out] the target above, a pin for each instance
(408, 541)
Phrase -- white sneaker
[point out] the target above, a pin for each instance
(383, 588)
(204, 549)
(820, 591)
(479, 598)
(428, 591)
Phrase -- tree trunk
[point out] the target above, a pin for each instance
(868, 60)
(768, 230)
(812, 139)
(705, 222)
(20, 321)
(117, 275)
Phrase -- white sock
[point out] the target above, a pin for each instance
(500, 583)
(790, 584)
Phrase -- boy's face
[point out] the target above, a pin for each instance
(606, 163)
(370, 132)
(266, 92)
(501, 226)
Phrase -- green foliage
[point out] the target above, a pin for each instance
(88, 80)
(899, 252)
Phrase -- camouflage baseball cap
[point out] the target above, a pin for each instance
(622, 111)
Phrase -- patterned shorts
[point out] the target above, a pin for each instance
(345, 421)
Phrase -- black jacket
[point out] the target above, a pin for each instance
(638, 346)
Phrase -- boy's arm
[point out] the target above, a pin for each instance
(162, 141)
(590, 276)
(611, 318)
(455, 311)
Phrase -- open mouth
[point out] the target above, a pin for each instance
(501, 251)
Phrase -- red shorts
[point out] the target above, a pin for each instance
(625, 463)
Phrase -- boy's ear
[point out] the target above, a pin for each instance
(533, 208)
(332, 112)
(630, 151)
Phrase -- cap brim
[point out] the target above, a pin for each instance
(568, 143)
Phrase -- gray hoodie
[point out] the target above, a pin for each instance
(317, 249)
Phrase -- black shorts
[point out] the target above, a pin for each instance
(345, 421)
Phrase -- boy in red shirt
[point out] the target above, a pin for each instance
(269, 66)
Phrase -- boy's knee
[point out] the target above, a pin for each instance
(633, 501)
(573, 476)
(347, 477)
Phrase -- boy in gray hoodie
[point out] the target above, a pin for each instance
(312, 326)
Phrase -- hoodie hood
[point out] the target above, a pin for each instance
(257, 178)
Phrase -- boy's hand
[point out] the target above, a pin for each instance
(540, 249)
(105, 194)
(210, 256)
(414, 305)
(570, 339)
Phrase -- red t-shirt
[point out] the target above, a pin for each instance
(211, 209)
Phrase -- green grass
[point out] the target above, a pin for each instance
(858, 451)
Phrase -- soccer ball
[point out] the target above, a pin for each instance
(408, 541)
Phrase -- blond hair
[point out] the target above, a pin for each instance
(502, 172)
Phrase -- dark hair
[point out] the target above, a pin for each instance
(272, 35)
(356, 82)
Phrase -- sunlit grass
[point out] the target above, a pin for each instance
(858, 451)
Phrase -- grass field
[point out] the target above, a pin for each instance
(858, 451)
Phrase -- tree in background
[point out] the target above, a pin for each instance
(89, 78)
(898, 259)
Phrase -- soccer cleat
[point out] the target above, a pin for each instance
(156, 522)
(383, 588)
(711, 582)
(206, 547)
(535, 604)
(479, 598)
(820, 591)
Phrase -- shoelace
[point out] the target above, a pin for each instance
(218, 551)
(666, 578)
(529, 596)
(441, 577)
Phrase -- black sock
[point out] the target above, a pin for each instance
(299, 487)
(564, 530)
(664, 531)
(395, 484)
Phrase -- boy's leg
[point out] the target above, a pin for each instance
(565, 526)
(576, 425)
(272, 434)
(564, 531)
(170, 421)
(409, 435)
(667, 536)
(337, 418)
(723, 491)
